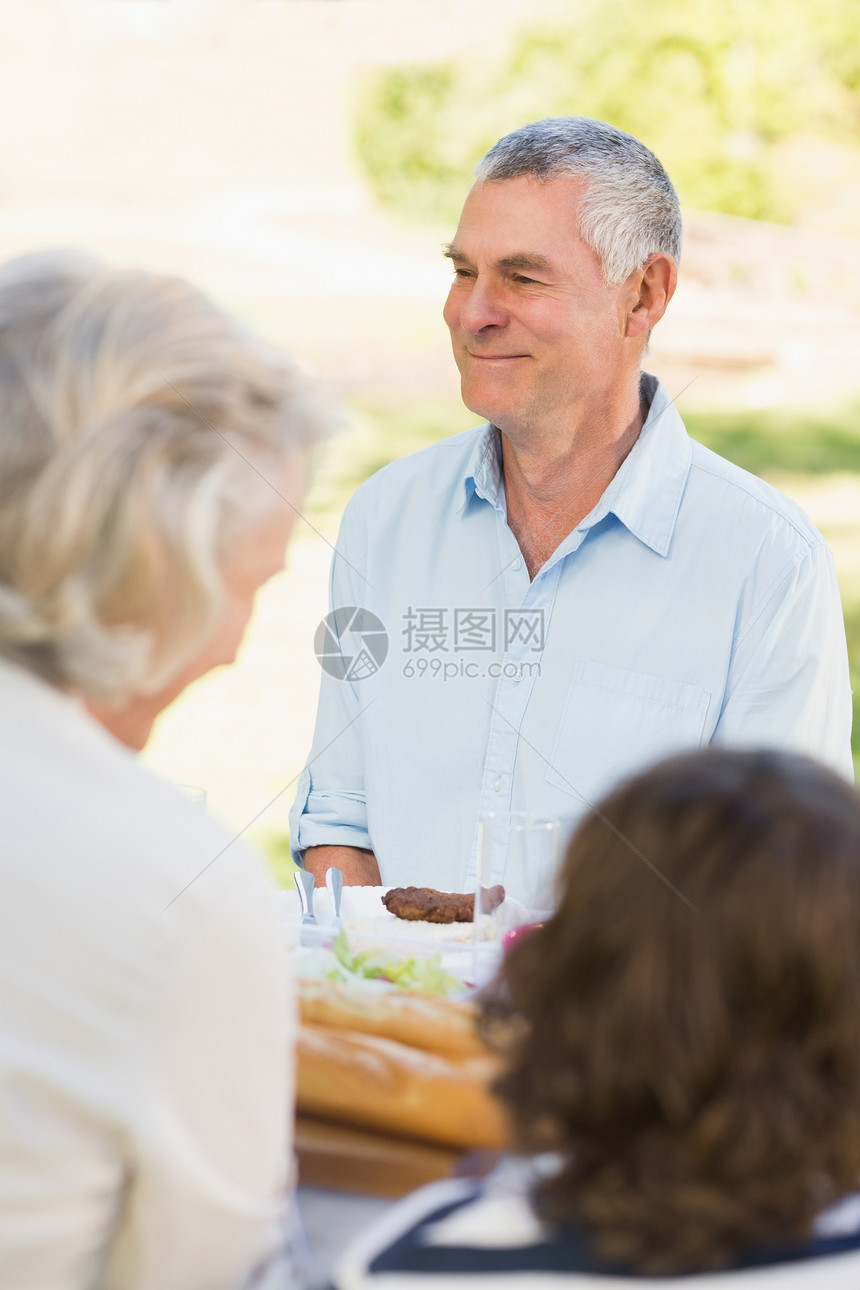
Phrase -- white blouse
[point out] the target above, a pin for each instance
(146, 1023)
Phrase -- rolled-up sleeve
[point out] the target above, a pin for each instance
(327, 817)
(330, 807)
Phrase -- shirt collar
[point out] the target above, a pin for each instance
(645, 494)
(483, 477)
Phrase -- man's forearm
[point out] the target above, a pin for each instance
(359, 867)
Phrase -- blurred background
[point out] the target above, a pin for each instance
(303, 160)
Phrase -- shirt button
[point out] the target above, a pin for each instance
(497, 786)
(517, 563)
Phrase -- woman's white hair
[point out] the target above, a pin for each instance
(629, 210)
(137, 424)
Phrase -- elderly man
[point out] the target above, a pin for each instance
(574, 588)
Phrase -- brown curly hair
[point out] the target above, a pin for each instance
(685, 1031)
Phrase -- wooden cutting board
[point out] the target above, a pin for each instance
(341, 1158)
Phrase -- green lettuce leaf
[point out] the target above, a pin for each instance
(407, 974)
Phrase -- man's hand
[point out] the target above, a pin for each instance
(359, 867)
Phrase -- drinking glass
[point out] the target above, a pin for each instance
(521, 851)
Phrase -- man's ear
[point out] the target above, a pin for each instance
(653, 286)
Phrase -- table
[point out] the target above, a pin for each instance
(346, 1159)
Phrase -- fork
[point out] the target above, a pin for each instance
(334, 883)
(305, 887)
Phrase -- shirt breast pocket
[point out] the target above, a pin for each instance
(614, 722)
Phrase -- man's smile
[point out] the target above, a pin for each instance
(496, 358)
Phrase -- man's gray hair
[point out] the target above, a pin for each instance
(629, 211)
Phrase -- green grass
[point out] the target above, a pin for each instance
(812, 443)
(275, 846)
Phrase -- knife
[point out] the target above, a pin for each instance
(334, 882)
(305, 887)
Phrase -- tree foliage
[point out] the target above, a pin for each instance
(716, 91)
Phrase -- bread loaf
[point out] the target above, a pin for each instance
(420, 1020)
(380, 1083)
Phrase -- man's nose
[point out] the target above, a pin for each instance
(483, 307)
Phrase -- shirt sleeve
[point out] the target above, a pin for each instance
(330, 808)
(788, 683)
(209, 1148)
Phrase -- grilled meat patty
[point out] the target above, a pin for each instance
(426, 905)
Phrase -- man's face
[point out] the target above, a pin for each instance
(536, 331)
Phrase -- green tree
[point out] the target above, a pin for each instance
(713, 90)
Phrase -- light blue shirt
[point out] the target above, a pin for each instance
(694, 604)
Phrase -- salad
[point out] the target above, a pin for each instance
(424, 973)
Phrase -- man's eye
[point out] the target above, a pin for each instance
(463, 273)
(519, 277)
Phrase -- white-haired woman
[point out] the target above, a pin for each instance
(151, 455)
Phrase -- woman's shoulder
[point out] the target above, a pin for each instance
(118, 863)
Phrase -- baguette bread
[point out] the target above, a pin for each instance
(382, 1084)
(420, 1020)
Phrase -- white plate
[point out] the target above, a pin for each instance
(369, 925)
(364, 914)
